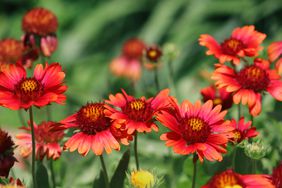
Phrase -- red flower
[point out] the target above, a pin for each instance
(196, 128)
(230, 179)
(248, 83)
(7, 158)
(136, 114)
(19, 91)
(243, 42)
(13, 51)
(40, 21)
(128, 64)
(46, 140)
(95, 131)
(152, 57)
(11, 183)
(277, 176)
(218, 96)
(274, 51)
(242, 130)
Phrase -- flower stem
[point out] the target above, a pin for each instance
(239, 111)
(234, 158)
(33, 147)
(48, 113)
(254, 166)
(52, 173)
(171, 78)
(105, 171)
(136, 153)
(195, 159)
(156, 79)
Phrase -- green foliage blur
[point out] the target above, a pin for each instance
(91, 34)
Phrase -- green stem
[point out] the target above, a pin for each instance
(234, 158)
(171, 79)
(48, 112)
(254, 166)
(105, 171)
(195, 159)
(252, 119)
(33, 147)
(136, 153)
(52, 173)
(239, 111)
(156, 79)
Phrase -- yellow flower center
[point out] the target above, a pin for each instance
(217, 101)
(233, 44)
(137, 105)
(233, 186)
(142, 179)
(237, 136)
(29, 85)
(93, 112)
(152, 53)
(196, 124)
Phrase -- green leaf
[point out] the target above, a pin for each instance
(42, 176)
(120, 173)
(100, 181)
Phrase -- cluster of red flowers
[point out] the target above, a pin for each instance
(199, 129)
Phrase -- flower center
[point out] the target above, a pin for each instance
(232, 46)
(237, 136)
(217, 101)
(253, 77)
(227, 180)
(195, 130)
(29, 89)
(91, 118)
(142, 179)
(153, 54)
(138, 110)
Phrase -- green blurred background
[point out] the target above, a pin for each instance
(91, 34)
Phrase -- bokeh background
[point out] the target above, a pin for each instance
(91, 34)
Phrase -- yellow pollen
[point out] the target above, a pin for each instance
(254, 73)
(137, 105)
(196, 124)
(233, 44)
(233, 186)
(217, 101)
(142, 179)
(152, 53)
(93, 112)
(227, 181)
(29, 85)
(237, 136)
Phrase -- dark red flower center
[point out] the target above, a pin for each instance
(226, 180)
(138, 110)
(232, 46)
(91, 118)
(153, 54)
(217, 101)
(254, 78)
(133, 48)
(237, 136)
(195, 130)
(29, 89)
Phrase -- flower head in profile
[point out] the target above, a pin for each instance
(17, 90)
(242, 130)
(274, 52)
(128, 64)
(196, 128)
(46, 140)
(95, 131)
(231, 179)
(13, 51)
(41, 24)
(152, 58)
(248, 83)
(137, 114)
(142, 179)
(277, 175)
(244, 41)
(218, 96)
(7, 158)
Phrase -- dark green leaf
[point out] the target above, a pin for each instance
(42, 176)
(100, 181)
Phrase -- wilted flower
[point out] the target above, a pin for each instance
(142, 179)
(96, 131)
(218, 96)
(242, 131)
(46, 141)
(152, 57)
(137, 114)
(231, 179)
(128, 64)
(197, 129)
(19, 91)
(42, 24)
(277, 175)
(7, 158)
(248, 84)
(244, 41)
(13, 51)
(256, 150)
